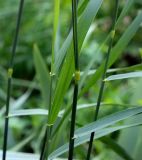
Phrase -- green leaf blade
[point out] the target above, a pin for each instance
(124, 76)
(43, 75)
(67, 69)
(117, 50)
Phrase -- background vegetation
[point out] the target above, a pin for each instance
(27, 127)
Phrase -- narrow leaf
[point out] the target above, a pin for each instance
(20, 156)
(67, 71)
(117, 50)
(43, 75)
(84, 139)
(126, 8)
(55, 29)
(28, 112)
(107, 121)
(124, 76)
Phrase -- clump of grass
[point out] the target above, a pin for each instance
(64, 64)
(10, 72)
(103, 76)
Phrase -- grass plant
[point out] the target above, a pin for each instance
(79, 68)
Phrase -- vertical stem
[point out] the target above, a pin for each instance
(45, 146)
(55, 30)
(47, 137)
(103, 77)
(73, 117)
(77, 77)
(10, 72)
(46, 140)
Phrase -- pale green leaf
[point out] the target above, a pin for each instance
(28, 112)
(107, 121)
(124, 76)
(83, 139)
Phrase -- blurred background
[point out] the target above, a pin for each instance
(37, 27)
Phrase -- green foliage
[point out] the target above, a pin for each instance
(42, 88)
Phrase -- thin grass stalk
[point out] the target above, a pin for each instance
(47, 137)
(77, 77)
(10, 72)
(104, 76)
(46, 140)
(46, 143)
(43, 145)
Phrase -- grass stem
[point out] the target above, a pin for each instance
(10, 72)
(47, 136)
(46, 140)
(103, 76)
(77, 77)
(46, 144)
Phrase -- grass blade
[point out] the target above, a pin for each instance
(126, 8)
(116, 51)
(20, 156)
(28, 112)
(108, 120)
(43, 75)
(55, 29)
(87, 17)
(124, 76)
(79, 107)
(124, 69)
(16, 104)
(84, 139)
(67, 70)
